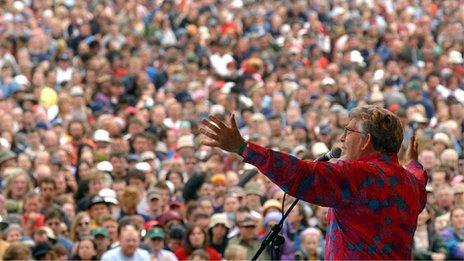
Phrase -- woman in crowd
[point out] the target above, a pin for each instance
(219, 227)
(86, 250)
(454, 233)
(80, 227)
(196, 238)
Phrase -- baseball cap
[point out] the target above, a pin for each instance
(99, 231)
(41, 249)
(252, 188)
(147, 155)
(155, 232)
(177, 232)
(414, 85)
(96, 200)
(102, 136)
(48, 232)
(6, 155)
(153, 193)
(249, 221)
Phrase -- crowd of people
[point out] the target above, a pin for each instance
(100, 104)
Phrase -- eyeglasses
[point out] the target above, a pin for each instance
(346, 130)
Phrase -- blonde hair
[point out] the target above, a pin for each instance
(73, 233)
(232, 252)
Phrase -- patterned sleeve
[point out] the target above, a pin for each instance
(323, 183)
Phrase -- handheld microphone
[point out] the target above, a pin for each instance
(333, 154)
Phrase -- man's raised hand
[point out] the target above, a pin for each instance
(220, 134)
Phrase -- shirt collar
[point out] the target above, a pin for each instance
(384, 157)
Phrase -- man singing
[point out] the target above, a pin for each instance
(374, 201)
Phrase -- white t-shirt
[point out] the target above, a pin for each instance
(116, 254)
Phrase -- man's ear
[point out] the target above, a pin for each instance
(367, 142)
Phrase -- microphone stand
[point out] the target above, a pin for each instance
(273, 234)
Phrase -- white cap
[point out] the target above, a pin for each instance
(101, 135)
(22, 80)
(109, 196)
(185, 141)
(328, 81)
(442, 137)
(18, 5)
(147, 155)
(356, 57)
(76, 91)
(455, 57)
(105, 166)
(143, 166)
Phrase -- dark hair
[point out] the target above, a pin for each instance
(125, 222)
(191, 207)
(188, 245)
(135, 174)
(53, 213)
(172, 172)
(432, 74)
(384, 127)
(77, 257)
(84, 130)
(161, 185)
(47, 180)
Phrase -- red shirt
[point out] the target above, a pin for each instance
(182, 254)
(374, 202)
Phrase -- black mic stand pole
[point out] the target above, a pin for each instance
(275, 230)
(274, 233)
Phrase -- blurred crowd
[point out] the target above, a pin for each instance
(100, 103)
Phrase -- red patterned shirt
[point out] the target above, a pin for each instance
(374, 201)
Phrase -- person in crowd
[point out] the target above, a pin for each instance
(102, 242)
(156, 236)
(452, 235)
(86, 249)
(196, 238)
(98, 96)
(17, 251)
(218, 229)
(310, 247)
(80, 227)
(129, 242)
(247, 236)
(428, 244)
